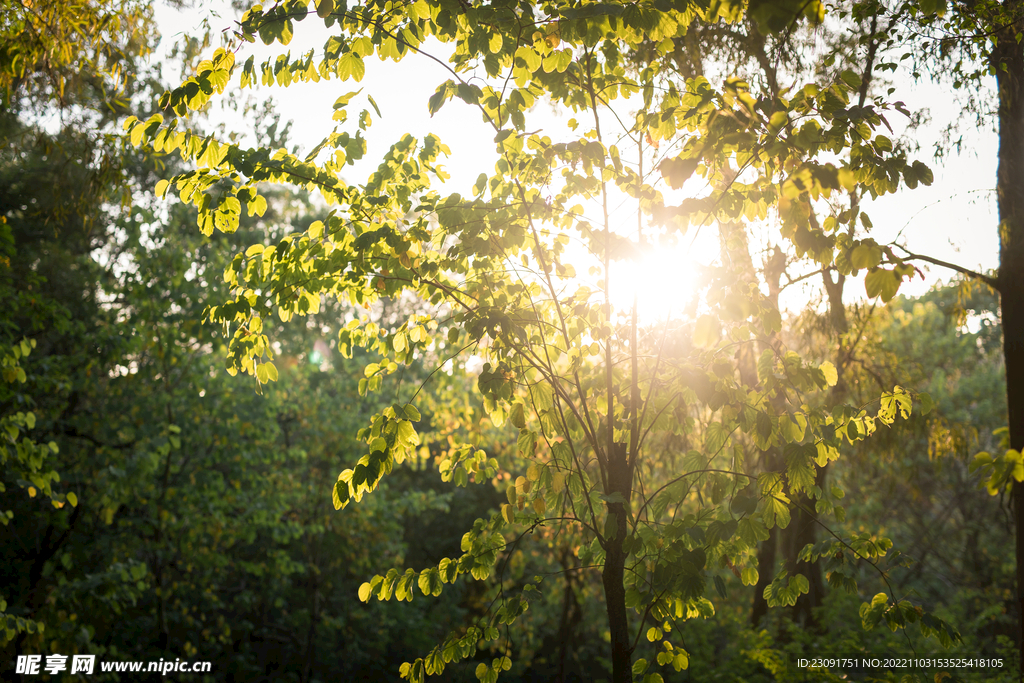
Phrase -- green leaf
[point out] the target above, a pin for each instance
(933, 7)
(743, 503)
(776, 512)
(351, 65)
(518, 416)
(865, 255)
(374, 105)
(749, 576)
(1016, 462)
(830, 372)
(527, 443)
(430, 582)
(407, 434)
(276, 28)
(979, 461)
(799, 470)
(771, 320)
(340, 494)
(764, 425)
(324, 8)
(439, 97)
(258, 206)
(678, 170)
(882, 282)
(706, 331)
(851, 78)
(785, 594)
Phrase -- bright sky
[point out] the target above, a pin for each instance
(953, 220)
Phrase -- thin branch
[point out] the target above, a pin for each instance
(987, 279)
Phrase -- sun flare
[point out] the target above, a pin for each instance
(664, 279)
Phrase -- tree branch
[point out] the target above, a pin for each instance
(988, 280)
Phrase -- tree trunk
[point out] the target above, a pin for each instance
(765, 574)
(571, 617)
(801, 532)
(620, 481)
(1008, 60)
(314, 619)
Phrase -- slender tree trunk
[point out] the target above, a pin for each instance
(314, 618)
(765, 574)
(620, 481)
(1008, 60)
(803, 528)
(571, 616)
(801, 532)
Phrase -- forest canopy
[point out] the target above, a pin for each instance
(253, 401)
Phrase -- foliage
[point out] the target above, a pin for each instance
(194, 530)
(44, 44)
(620, 465)
(596, 398)
(926, 466)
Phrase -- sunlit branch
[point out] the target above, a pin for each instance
(988, 280)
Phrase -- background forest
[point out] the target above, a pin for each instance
(156, 506)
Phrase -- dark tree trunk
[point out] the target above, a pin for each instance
(571, 617)
(765, 574)
(1008, 60)
(620, 481)
(803, 528)
(801, 532)
(314, 618)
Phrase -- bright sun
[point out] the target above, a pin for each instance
(663, 280)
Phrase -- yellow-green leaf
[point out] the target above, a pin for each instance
(830, 372)
(324, 8)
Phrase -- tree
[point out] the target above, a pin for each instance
(955, 530)
(43, 45)
(75, 62)
(592, 391)
(140, 494)
(960, 43)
